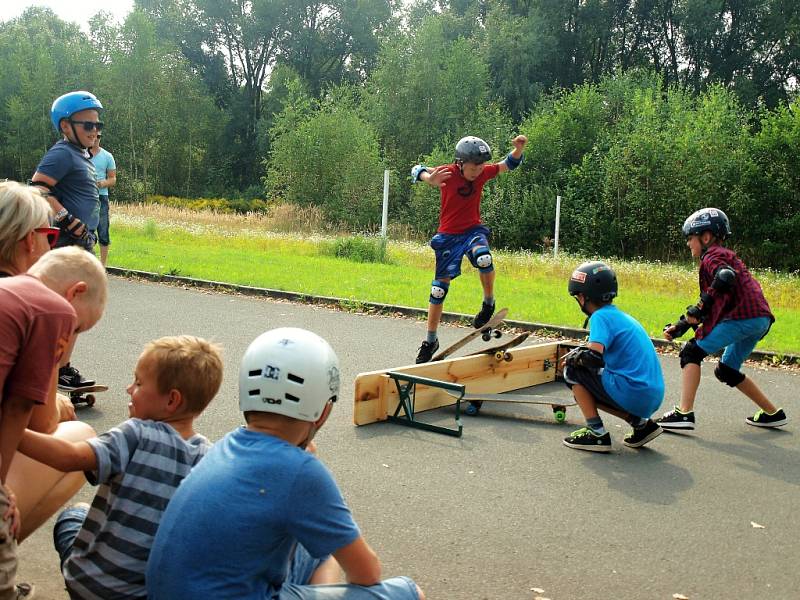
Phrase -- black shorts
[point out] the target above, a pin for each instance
(590, 379)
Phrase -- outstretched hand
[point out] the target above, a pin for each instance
(438, 177)
(519, 142)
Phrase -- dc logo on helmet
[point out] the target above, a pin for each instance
(271, 372)
(333, 380)
(578, 276)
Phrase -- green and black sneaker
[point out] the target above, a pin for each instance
(764, 419)
(675, 419)
(586, 439)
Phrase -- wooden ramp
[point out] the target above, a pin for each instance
(377, 396)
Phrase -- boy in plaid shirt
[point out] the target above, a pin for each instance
(732, 314)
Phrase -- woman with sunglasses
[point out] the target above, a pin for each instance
(66, 176)
(25, 231)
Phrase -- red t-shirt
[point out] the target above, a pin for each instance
(36, 326)
(461, 199)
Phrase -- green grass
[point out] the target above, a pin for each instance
(533, 286)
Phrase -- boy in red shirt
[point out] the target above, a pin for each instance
(461, 231)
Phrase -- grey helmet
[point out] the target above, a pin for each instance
(473, 149)
(707, 219)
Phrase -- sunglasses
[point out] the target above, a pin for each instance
(51, 233)
(90, 125)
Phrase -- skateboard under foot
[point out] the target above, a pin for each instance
(83, 395)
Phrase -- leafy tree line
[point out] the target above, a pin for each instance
(638, 112)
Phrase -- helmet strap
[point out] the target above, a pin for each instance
(77, 141)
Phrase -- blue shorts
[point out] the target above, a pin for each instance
(450, 248)
(396, 588)
(738, 337)
(102, 232)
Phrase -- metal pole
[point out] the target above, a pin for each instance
(558, 223)
(385, 218)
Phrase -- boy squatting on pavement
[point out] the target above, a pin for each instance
(460, 229)
(137, 466)
(259, 514)
(732, 314)
(618, 369)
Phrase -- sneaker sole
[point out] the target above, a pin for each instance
(780, 423)
(642, 442)
(689, 426)
(598, 448)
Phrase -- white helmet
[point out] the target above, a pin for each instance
(289, 371)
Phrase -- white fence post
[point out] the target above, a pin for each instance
(558, 224)
(385, 218)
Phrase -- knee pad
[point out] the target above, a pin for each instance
(482, 258)
(439, 291)
(728, 375)
(691, 353)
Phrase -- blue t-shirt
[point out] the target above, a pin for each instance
(76, 186)
(632, 375)
(231, 527)
(103, 162)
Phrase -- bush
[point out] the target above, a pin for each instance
(357, 248)
(222, 205)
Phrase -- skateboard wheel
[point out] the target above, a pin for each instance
(500, 356)
(497, 333)
(508, 357)
(90, 400)
(486, 336)
(560, 414)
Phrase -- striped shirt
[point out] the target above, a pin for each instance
(139, 466)
(746, 299)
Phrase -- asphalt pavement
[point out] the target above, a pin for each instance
(505, 512)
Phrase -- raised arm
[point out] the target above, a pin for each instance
(514, 158)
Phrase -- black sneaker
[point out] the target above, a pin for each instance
(482, 318)
(69, 377)
(764, 419)
(675, 419)
(426, 351)
(586, 439)
(639, 437)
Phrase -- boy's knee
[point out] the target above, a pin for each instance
(728, 375)
(691, 353)
(439, 290)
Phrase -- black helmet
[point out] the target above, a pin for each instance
(707, 219)
(595, 280)
(473, 149)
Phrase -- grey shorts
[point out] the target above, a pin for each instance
(591, 380)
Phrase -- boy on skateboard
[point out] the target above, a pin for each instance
(461, 231)
(260, 516)
(137, 466)
(618, 369)
(731, 315)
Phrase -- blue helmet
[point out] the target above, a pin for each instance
(67, 105)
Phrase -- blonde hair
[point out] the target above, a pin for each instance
(186, 363)
(22, 209)
(62, 267)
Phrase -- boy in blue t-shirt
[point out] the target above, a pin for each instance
(260, 516)
(616, 371)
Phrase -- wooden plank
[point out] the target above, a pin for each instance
(376, 394)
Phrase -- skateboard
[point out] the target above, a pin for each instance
(487, 332)
(501, 351)
(559, 404)
(83, 395)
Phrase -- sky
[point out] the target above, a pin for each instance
(79, 11)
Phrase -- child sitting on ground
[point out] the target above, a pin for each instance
(260, 515)
(138, 465)
(618, 369)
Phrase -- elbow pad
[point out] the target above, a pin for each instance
(416, 172)
(724, 279)
(585, 357)
(512, 163)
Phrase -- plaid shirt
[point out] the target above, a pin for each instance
(744, 301)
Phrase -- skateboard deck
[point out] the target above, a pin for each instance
(487, 331)
(501, 351)
(558, 403)
(83, 395)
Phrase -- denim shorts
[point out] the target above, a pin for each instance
(450, 249)
(396, 588)
(102, 233)
(738, 337)
(66, 529)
